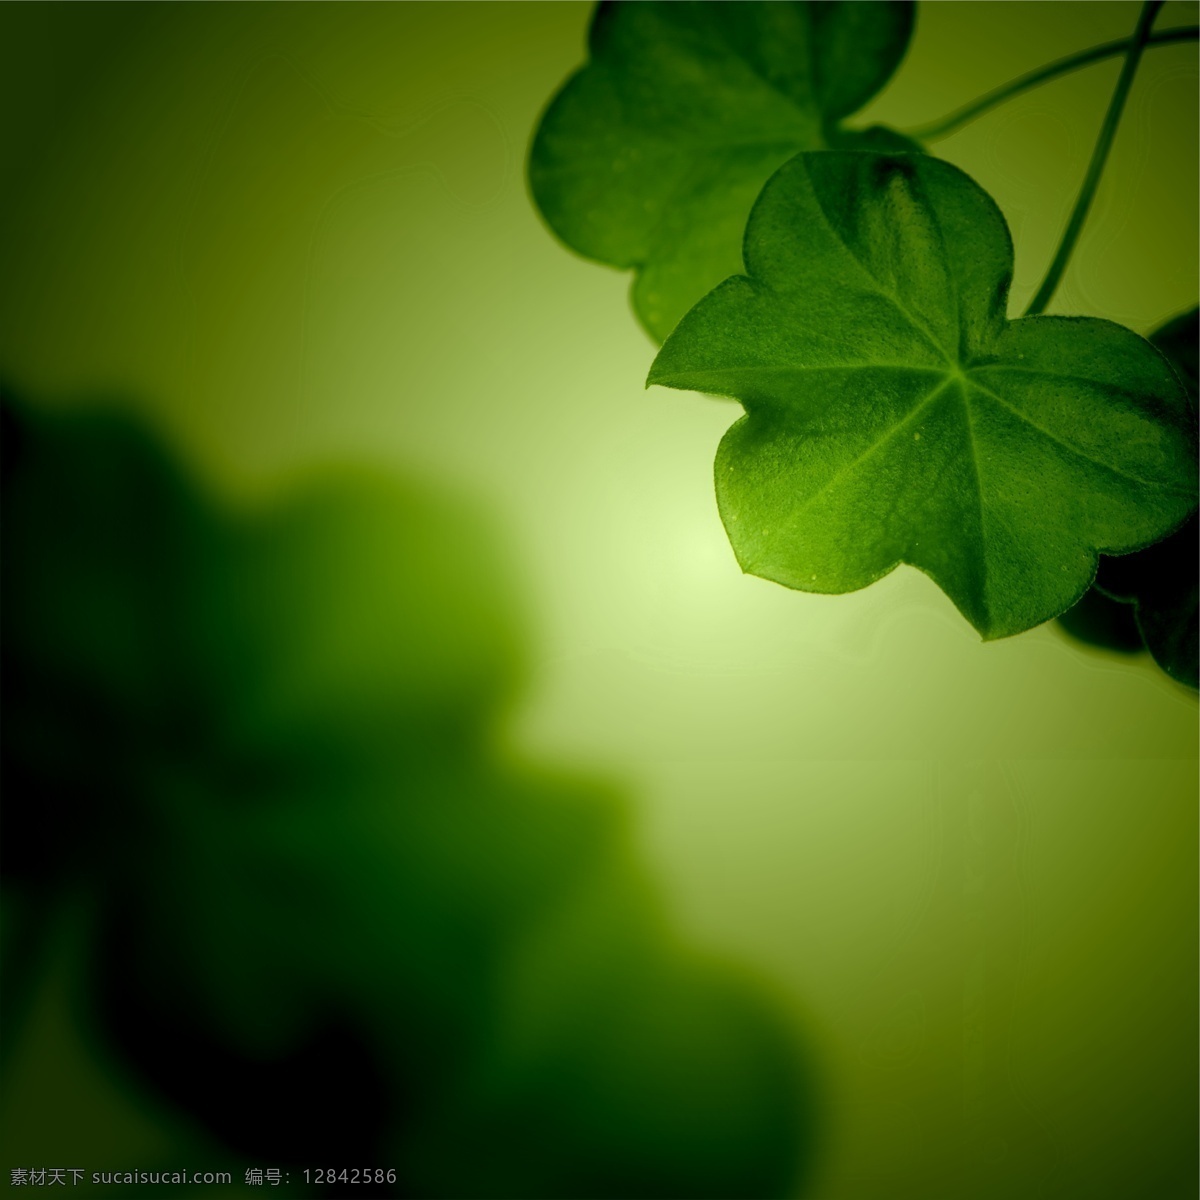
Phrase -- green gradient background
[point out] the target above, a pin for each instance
(300, 234)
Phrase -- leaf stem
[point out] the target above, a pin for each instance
(1087, 191)
(935, 130)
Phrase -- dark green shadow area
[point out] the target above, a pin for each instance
(1100, 621)
(1150, 599)
(275, 898)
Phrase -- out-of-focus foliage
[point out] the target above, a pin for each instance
(331, 921)
(1160, 582)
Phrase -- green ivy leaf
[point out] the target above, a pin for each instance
(1161, 581)
(894, 415)
(652, 155)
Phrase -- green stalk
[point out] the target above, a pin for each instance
(1099, 156)
(944, 126)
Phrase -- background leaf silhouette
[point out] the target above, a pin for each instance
(1160, 581)
(327, 918)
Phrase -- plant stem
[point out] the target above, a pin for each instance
(1104, 142)
(944, 126)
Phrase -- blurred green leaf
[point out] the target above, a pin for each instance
(894, 415)
(331, 920)
(651, 156)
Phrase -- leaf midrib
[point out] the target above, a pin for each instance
(918, 326)
(733, 54)
(812, 110)
(974, 456)
(1045, 373)
(770, 86)
(921, 406)
(1073, 450)
(948, 379)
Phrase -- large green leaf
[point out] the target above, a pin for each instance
(652, 155)
(1161, 581)
(894, 415)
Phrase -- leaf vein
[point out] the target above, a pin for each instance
(983, 556)
(920, 407)
(1075, 450)
(914, 321)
